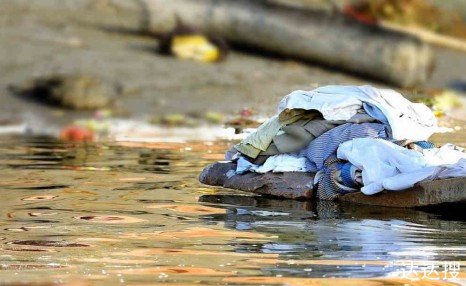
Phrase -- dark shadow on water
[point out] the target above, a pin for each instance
(448, 211)
(316, 210)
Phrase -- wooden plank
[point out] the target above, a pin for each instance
(429, 37)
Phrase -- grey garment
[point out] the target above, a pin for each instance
(264, 155)
(298, 135)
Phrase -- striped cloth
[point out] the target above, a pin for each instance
(327, 144)
(328, 187)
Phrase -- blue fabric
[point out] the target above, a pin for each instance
(425, 144)
(375, 113)
(243, 166)
(345, 173)
(327, 144)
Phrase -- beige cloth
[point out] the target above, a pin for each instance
(260, 140)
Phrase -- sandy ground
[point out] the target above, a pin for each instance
(39, 37)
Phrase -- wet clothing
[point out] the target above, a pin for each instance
(353, 137)
(260, 140)
(294, 136)
(312, 157)
(327, 144)
(407, 120)
(388, 166)
(276, 164)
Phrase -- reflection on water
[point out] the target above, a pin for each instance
(135, 213)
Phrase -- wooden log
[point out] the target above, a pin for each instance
(315, 36)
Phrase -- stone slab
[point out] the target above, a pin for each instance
(427, 193)
(298, 186)
(284, 185)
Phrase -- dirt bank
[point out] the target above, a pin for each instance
(81, 36)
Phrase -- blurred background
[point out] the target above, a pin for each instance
(158, 84)
(170, 63)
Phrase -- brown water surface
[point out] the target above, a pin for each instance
(111, 213)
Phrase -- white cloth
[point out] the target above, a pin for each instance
(413, 121)
(276, 164)
(388, 166)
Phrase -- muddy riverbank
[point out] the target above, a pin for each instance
(90, 37)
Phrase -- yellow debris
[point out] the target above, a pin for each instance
(438, 113)
(447, 100)
(195, 47)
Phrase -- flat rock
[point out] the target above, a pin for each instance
(216, 174)
(284, 185)
(427, 193)
(299, 186)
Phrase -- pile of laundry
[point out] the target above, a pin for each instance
(354, 138)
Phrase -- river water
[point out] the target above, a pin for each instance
(134, 213)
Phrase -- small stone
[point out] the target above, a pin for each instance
(78, 92)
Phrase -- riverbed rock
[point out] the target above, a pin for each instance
(216, 174)
(299, 186)
(80, 92)
(423, 194)
(284, 185)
